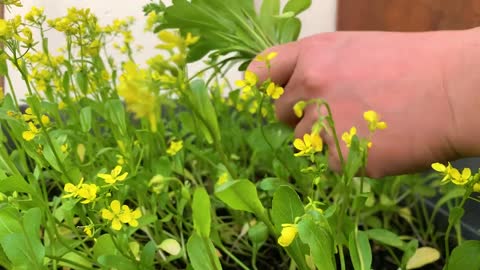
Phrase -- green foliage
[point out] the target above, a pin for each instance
(465, 256)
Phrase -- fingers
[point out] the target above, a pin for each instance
(282, 66)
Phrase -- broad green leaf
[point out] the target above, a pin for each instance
(268, 11)
(203, 108)
(201, 253)
(289, 30)
(16, 248)
(117, 261)
(116, 114)
(15, 183)
(104, 246)
(4, 262)
(286, 206)
(297, 6)
(147, 257)
(31, 224)
(241, 195)
(9, 221)
(82, 81)
(86, 119)
(360, 251)
(78, 259)
(422, 257)
(385, 237)
(320, 243)
(201, 212)
(465, 256)
(258, 234)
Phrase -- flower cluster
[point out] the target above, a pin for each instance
(311, 143)
(87, 192)
(121, 214)
(452, 174)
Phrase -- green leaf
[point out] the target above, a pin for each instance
(31, 224)
(201, 253)
(456, 214)
(297, 6)
(360, 251)
(320, 243)
(15, 183)
(116, 114)
(385, 237)
(204, 109)
(104, 246)
(9, 221)
(465, 256)
(409, 250)
(289, 30)
(354, 160)
(117, 261)
(78, 259)
(201, 212)
(4, 262)
(241, 195)
(18, 252)
(86, 119)
(82, 81)
(258, 234)
(286, 206)
(268, 11)
(147, 258)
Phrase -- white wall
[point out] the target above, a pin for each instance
(320, 18)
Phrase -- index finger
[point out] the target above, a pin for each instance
(282, 66)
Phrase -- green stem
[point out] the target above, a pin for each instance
(235, 259)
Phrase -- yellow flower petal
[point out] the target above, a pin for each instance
(115, 206)
(287, 236)
(116, 224)
(439, 167)
(107, 214)
(299, 144)
(251, 78)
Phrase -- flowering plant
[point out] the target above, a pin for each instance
(113, 164)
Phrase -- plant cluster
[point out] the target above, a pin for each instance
(112, 164)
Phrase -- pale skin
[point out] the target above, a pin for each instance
(424, 85)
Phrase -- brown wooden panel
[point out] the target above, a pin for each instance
(408, 15)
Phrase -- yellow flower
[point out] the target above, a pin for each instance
(88, 192)
(311, 143)
(298, 108)
(373, 120)
(175, 147)
(45, 120)
(461, 179)
(274, 91)
(348, 136)
(248, 82)
(445, 170)
(114, 175)
(288, 234)
(88, 230)
(267, 58)
(118, 214)
(31, 132)
(64, 148)
(223, 178)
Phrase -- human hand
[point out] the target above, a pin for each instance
(420, 84)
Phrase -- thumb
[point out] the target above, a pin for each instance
(282, 66)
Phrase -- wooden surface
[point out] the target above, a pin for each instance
(407, 15)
